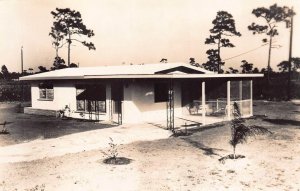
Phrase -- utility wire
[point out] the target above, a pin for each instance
(245, 52)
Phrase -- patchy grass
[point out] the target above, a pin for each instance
(178, 163)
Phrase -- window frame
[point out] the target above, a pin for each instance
(86, 102)
(46, 91)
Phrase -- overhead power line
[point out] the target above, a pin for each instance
(246, 52)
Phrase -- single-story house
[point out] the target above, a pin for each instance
(161, 92)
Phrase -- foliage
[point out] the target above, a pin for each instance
(232, 71)
(42, 69)
(224, 26)
(164, 60)
(272, 16)
(113, 151)
(5, 72)
(246, 67)
(12, 91)
(68, 25)
(73, 65)
(194, 63)
(240, 132)
(214, 63)
(59, 63)
(284, 65)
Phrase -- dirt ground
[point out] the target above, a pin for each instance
(178, 163)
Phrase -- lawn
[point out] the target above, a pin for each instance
(177, 163)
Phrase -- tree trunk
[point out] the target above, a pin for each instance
(69, 49)
(269, 61)
(290, 61)
(219, 55)
(56, 51)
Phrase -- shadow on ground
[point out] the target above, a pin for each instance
(283, 122)
(23, 127)
(207, 150)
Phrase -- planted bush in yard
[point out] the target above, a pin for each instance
(240, 132)
(113, 155)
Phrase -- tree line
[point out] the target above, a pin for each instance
(68, 28)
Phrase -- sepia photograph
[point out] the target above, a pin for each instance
(149, 95)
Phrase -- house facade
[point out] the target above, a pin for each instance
(148, 93)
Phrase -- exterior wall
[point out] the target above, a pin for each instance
(64, 94)
(139, 105)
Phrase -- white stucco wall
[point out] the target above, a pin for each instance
(139, 105)
(64, 94)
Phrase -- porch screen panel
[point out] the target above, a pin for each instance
(216, 93)
(246, 89)
(234, 91)
(91, 98)
(246, 102)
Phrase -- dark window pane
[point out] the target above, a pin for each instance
(161, 92)
(43, 93)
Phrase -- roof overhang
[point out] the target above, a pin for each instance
(143, 76)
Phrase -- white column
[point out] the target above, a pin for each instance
(228, 101)
(203, 103)
(108, 103)
(251, 98)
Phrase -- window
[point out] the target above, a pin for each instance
(91, 98)
(46, 91)
(161, 92)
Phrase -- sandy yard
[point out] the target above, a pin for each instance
(162, 163)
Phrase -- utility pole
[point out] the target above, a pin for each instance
(290, 57)
(21, 60)
(22, 84)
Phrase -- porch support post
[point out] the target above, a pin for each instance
(228, 101)
(241, 96)
(203, 103)
(251, 98)
(108, 104)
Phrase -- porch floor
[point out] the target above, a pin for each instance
(191, 121)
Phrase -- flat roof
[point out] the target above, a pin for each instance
(133, 71)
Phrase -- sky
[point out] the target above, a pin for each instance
(138, 31)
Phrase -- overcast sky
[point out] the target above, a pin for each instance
(138, 31)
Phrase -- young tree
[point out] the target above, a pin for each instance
(240, 132)
(224, 26)
(246, 67)
(272, 16)
(68, 23)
